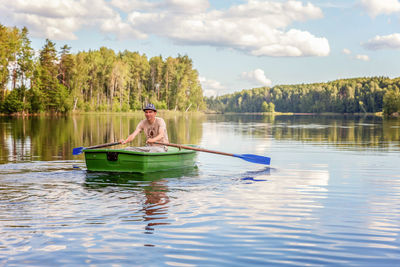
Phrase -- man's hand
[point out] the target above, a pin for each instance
(151, 140)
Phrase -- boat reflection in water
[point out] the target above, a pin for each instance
(149, 191)
(125, 179)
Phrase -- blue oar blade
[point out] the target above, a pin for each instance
(254, 158)
(77, 150)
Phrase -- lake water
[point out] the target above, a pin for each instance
(330, 197)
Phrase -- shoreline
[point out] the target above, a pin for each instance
(378, 114)
(77, 113)
(208, 112)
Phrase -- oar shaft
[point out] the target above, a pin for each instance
(103, 145)
(196, 149)
(248, 157)
(78, 150)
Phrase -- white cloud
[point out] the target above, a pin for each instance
(346, 51)
(391, 41)
(61, 19)
(257, 77)
(256, 27)
(131, 5)
(115, 25)
(362, 57)
(211, 87)
(295, 43)
(377, 7)
(186, 6)
(175, 6)
(358, 57)
(260, 28)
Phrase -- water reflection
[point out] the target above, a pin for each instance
(341, 131)
(53, 138)
(150, 189)
(95, 180)
(155, 206)
(257, 176)
(318, 205)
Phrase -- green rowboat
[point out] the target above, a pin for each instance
(120, 160)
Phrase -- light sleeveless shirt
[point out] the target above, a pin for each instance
(152, 130)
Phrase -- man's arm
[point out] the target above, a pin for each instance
(131, 137)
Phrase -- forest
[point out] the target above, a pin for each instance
(357, 95)
(57, 81)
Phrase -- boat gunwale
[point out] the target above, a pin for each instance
(140, 153)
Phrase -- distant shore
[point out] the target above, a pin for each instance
(379, 114)
(208, 112)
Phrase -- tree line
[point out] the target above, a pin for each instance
(104, 80)
(52, 80)
(357, 95)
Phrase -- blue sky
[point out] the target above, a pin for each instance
(234, 45)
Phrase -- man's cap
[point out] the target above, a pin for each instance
(150, 107)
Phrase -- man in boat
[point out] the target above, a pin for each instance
(154, 129)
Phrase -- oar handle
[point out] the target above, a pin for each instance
(196, 149)
(104, 145)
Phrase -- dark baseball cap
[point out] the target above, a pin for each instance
(150, 107)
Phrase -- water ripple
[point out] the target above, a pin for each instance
(294, 215)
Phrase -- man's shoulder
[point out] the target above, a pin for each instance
(160, 121)
(142, 123)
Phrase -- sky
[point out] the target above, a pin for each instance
(234, 45)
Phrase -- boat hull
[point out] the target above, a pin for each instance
(120, 160)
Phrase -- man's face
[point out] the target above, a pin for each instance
(150, 115)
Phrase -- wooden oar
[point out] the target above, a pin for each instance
(247, 157)
(78, 150)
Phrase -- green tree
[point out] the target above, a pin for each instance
(155, 76)
(391, 102)
(12, 102)
(9, 46)
(25, 64)
(47, 74)
(119, 81)
(138, 69)
(66, 67)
